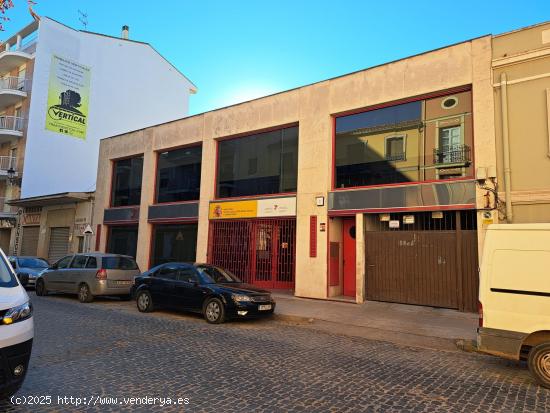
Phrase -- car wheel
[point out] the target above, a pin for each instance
(214, 311)
(539, 363)
(144, 301)
(40, 288)
(84, 294)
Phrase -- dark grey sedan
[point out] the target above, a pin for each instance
(28, 268)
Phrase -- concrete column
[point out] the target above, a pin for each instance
(147, 198)
(207, 193)
(360, 258)
(18, 43)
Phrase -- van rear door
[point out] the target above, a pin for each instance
(120, 269)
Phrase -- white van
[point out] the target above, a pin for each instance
(514, 295)
(16, 330)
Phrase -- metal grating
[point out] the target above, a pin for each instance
(259, 251)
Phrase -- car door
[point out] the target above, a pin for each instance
(72, 276)
(52, 277)
(188, 293)
(162, 285)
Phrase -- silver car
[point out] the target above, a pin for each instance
(89, 275)
(28, 268)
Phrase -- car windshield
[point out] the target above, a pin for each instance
(7, 278)
(119, 263)
(32, 263)
(217, 275)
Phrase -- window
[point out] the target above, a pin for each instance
(168, 272)
(21, 78)
(127, 174)
(450, 145)
(264, 163)
(92, 262)
(79, 261)
(7, 278)
(118, 263)
(187, 274)
(174, 243)
(395, 148)
(123, 240)
(367, 144)
(18, 118)
(179, 175)
(64, 262)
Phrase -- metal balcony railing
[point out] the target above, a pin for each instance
(452, 154)
(13, 83)
(395, 156)
(8, 162)
(5, 207)
(11, 123)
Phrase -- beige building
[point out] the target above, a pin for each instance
(521, 82)
(354, 188)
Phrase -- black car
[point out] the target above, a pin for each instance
(212, 291)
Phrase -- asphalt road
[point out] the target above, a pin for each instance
(105, 353)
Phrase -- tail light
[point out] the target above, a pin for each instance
(480, 312)
(101, 274)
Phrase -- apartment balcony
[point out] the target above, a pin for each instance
(13, 90)
(7, 211)
(7, 163)
(452, 156)
(10, 127)
(18, 49)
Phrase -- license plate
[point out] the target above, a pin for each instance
(124, 282)
(264, 307)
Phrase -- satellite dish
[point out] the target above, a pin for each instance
(88, 229)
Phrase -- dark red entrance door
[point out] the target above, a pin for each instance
(349, 257)
(259, 251)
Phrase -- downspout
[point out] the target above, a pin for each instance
(506, 147)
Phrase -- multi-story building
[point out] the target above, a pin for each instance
(521, 81)
(61, 90)
(361, 187)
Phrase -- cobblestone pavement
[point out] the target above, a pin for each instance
(108, 349)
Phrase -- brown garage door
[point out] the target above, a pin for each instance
(29, 245)
(59, 243)
(432, 262)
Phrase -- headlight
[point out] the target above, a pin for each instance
(19, 313)
(241, 298)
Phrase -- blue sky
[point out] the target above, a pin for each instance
(238, 50)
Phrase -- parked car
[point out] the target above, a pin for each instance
(89, 275)
(214, 292)
(27, 269)
(16, 331)
(514, 296)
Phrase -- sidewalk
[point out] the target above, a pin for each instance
(398, 323)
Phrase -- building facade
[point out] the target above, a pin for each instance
(61, 91)
(358, 187)
(521, 82)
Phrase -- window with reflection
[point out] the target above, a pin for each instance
(410, 142)
(127, 174)
(264, 163)
(179, 175)
(174, 243)
(123, 240)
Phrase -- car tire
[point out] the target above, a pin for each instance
(214, 311)
(539, 364)
(144, 302)
(40, 288)
(84, 293)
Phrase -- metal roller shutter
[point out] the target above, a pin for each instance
(29, 245)
(59, 243)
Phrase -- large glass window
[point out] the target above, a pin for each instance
(371, 149)
(127, 176)
(179, 175)
(174, 243)
(265, 163)
(123, 240)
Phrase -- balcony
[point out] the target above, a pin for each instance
(7, 211)
(10, 127)
(13, 89)
(452, 156)
(19, 49)
(7, 163)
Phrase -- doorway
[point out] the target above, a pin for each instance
(349, 232)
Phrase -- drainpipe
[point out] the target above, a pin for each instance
(506, 147)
